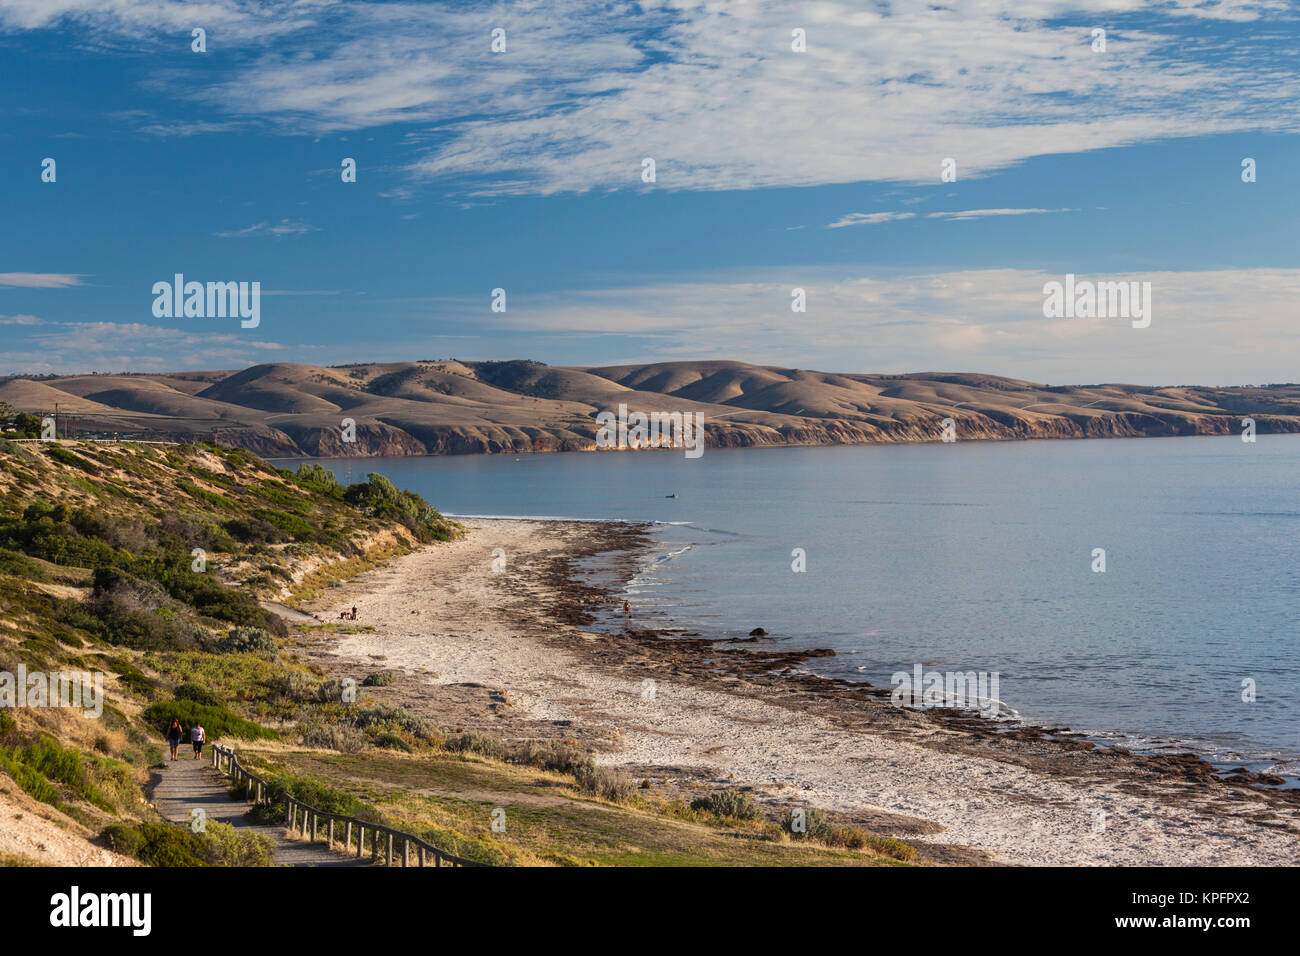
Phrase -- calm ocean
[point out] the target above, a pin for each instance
(970, 556)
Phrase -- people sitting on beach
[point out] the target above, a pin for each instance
(346, 616)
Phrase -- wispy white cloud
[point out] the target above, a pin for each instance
(77, 347)
(869, 218)
(285, 227)
(20, 320)
(1208, 327)
(712, 90)
(40, 280)
(986, 213)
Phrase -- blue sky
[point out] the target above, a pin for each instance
(775, 170)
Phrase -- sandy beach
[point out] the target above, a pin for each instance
(505, 651)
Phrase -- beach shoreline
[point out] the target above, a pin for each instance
(492, 633)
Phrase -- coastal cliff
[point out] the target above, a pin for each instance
(522, 407)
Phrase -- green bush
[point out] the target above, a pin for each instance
(63, 456)
(378, 679)
(199, 694)
(227, 846)
(319, 479)
(289, 524)
(32, 782)
(815, 826)
(17, 563)
(607, 782)
(217, 721)
(340, 737)
(315, 794)
(247, 639)
(394, 719)
(157, 844)
(475, 743)
(728, 803)
(380, 498)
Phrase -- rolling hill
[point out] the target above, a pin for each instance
(452, 407)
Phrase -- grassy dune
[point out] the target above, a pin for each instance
(150, 564)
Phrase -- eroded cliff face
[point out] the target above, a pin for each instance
(380, 440)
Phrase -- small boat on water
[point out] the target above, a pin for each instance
(673, 495)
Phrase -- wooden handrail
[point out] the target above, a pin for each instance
(227, 762)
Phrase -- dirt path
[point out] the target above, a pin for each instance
(187, 784)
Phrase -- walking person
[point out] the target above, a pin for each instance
(197, 735)
(174, 734)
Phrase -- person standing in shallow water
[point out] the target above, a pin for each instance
(174, 734)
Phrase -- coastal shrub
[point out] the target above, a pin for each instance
(156, 844)
(556, 755)
(319, 479)
(65, 457)
(41, 765)
(378, 679)
(728, 803)
(380, 498)
(390, 741)
(888, 846)
(289, 525)
(476, 743)
(217, 721)
(131, 676)
(607, 782)
(326, 692)
(33, 783)
(197, 693)
(251, 530)
(391, 719)
(123, 618)
(164, 844)
(323, 797)
(242, 640)
(225, 845)
(200, 494)
(807, 824)
(17, 563)
(340, 737)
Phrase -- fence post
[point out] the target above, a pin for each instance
(361, 838)
(406, 852)
(388, 847)
(420, 850)
(315, 818)
(330, 839)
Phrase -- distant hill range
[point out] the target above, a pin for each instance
(437, 408)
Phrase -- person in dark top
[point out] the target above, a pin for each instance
(174, 734)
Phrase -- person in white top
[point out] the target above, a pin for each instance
(197, 734)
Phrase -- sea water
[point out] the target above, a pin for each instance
(970, 556)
